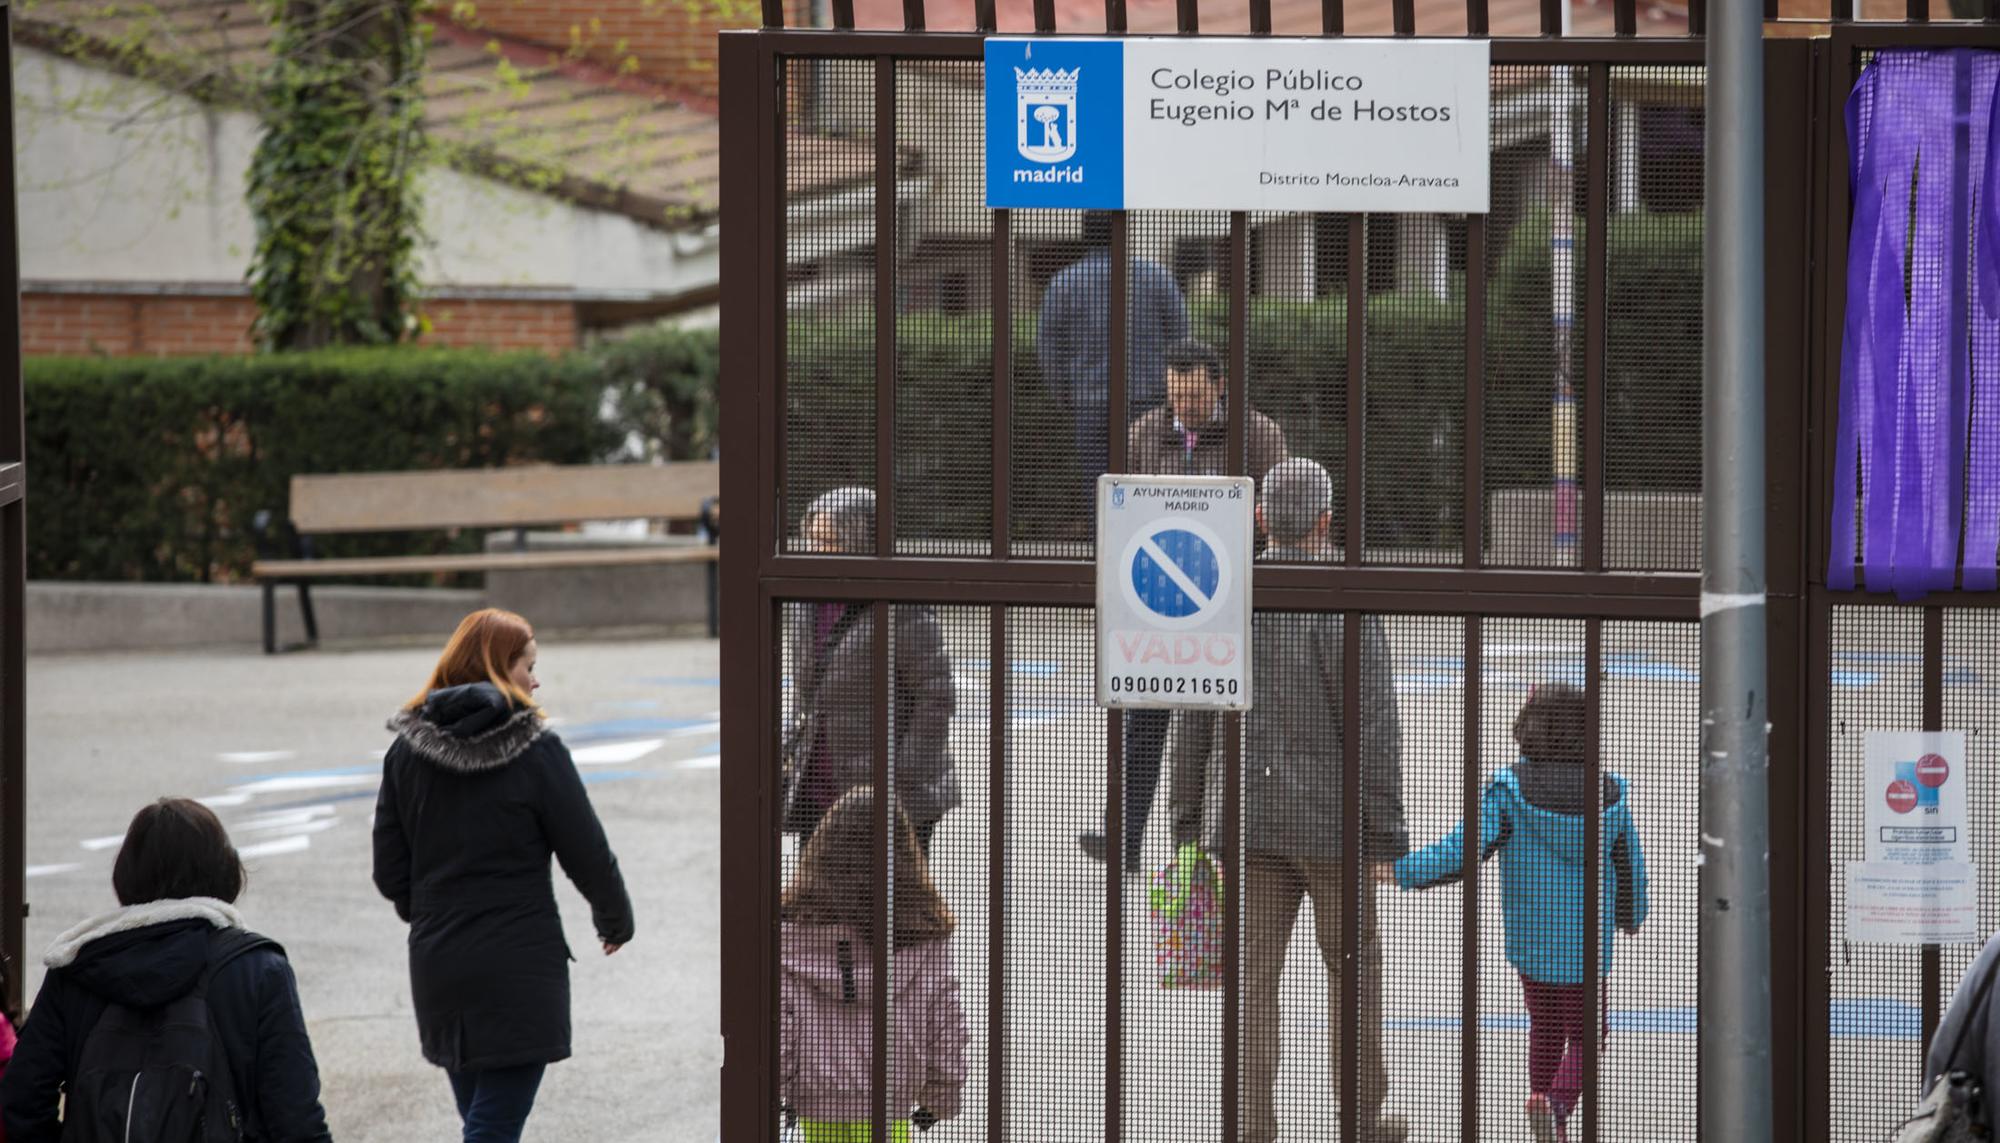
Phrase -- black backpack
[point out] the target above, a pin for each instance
(159, 1075)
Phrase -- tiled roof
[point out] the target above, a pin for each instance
(520, 114)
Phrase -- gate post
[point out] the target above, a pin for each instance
(13, 563)
(1735, 1001)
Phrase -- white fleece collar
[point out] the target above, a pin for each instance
(219, 914)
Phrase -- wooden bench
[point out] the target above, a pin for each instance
(510, 498)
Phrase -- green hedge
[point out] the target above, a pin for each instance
(149, 469)
(1415, 401)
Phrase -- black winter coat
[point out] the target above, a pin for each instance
(476, 796)
(254, 1001)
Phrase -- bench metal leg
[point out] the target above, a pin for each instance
(306, 613)
(714, 601)
(270, 617)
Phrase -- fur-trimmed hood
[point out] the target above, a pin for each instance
(469, 729)
(142, 956)
(219, 914)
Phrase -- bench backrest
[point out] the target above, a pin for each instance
(500, 497)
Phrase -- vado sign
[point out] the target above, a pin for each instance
(1213, 123)
(1173, 591)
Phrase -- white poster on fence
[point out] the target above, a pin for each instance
(1918, 885)
(1892, 904)
(1917, 806)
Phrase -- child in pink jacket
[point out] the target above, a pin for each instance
(827, 998)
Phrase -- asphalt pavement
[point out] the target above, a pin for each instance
(288, 750)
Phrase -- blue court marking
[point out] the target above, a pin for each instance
(1651, 670)
(1031, 668)
(1855, 678)
(351, 796)
(1881, 658)
(683, 680)
(628, 704)
(598, 777)
(603, 730)
(1961, 677)
(330, 772)
(1874, 1018)
(1429, 681)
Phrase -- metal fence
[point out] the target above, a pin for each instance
(1508, 432)
(13, 568)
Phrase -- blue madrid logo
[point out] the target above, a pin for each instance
(1175, 573)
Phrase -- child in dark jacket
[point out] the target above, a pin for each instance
(827, 994)
(1532, 817)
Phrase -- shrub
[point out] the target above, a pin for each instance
(152, 469)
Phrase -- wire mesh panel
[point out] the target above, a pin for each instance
(1414, 354)
(1530, 925)
(1651, 713)
(829, 333)
(944, 290)
(1653, 335)
(1420, 685)
(944, 677)
(1060, 286)
(1534, 323)
(1972, 704)
(1177, 305)
(1055, 895)
(830, 869)
(1296, 339)
(1876, 683)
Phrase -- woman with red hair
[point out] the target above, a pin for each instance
(477, 794)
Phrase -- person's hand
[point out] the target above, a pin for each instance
(610, 948)
(1383, 872)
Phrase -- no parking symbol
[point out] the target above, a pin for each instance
(1173, 616)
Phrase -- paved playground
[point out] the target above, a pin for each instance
(288, 751)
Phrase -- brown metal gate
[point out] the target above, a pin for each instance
(879, 334)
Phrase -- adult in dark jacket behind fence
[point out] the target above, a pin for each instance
(176, 878)
(1971, 1028)
(1073, 343)
(1293, 789)
(830, 741)
(477, 793)
(1185, 436)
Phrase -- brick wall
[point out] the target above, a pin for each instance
(671, 41)
(130, 325)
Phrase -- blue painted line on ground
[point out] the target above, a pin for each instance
(330, 772)
(1650, 671)
(350, 796)
(1031, 668)
(1961, 677)
(599, 731)
(1875, 1019)
(1429, 681)
(597, 777)
(1855, 678)
(682, 680)
(1879, 658)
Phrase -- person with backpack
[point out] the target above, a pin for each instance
(1532, 817)
(827, 995)
(477, 794)
(165, 1020)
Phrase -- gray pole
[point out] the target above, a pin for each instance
(1735, 1051)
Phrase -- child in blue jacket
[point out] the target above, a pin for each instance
(1532, 818)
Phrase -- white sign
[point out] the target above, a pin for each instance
(1916, 797)
(1894, 904)
(1173, 591)
(1918, 885)
(1218, 123)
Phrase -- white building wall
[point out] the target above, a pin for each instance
(122, 181)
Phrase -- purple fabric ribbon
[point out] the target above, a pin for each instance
(1920, 359)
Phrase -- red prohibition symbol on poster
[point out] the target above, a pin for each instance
(1933, 770)
(1902, 796)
